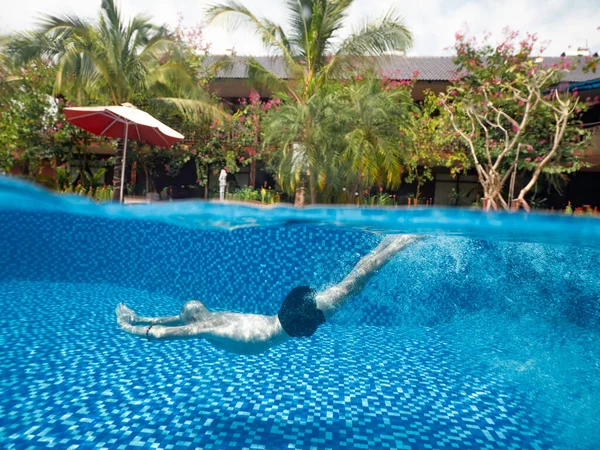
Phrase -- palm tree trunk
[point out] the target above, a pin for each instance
(313, 189)
(117, 171)
(299, 195)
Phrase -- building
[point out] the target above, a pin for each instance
(433, 73)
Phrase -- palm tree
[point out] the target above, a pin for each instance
(312, 52)
(111, 61)
(358, 128)
(374, 143)
(295, 129)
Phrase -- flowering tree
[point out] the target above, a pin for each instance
(512, 113)
(431, 144)
(235, 141)
(33, 130)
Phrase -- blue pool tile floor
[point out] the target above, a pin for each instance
(71, 379)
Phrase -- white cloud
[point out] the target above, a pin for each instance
(433, 22)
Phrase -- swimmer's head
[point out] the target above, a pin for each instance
(193, 311)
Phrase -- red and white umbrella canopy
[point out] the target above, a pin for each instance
(125, 122)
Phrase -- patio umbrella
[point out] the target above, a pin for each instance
(126, 122)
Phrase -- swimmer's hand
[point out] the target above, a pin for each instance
(125, 315)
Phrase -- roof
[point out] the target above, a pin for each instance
(586, 85)
(429, 68)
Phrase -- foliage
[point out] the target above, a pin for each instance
(264, 195)
(431, 144)
(99, 194)
(313, 53)
(113, 61)
(269, 196)
(26, 120)
(347, 137)
(33, 131)
(512, 115)
(244, 194)
(109, 60)
(233, 142)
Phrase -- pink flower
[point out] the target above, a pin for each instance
(254, 97)
(242, 119)
(538, 158)
(542, 142)
(529, 147)
(527, 159)
(241, 158)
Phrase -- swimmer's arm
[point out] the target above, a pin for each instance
(332, 299)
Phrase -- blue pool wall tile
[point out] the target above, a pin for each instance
(252, 269)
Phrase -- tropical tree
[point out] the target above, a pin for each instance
(356, 124)
(372, 112)
(301, 141)
(110, 60)
(431, 144)
(510, 111)
(313, 53)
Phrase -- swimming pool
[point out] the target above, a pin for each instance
(459, 342)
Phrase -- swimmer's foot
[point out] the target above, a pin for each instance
(125, 315)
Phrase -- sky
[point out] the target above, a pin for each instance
(566, 24)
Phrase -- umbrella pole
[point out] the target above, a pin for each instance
(123, 162)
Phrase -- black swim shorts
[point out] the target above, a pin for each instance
(299, 315)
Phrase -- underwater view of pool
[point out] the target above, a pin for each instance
(484, 334)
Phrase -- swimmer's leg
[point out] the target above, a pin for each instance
(234, 332)
(192, 311)
(128, 315)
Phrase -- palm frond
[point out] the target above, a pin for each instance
(377, 38)
(258, 75)
(264, 29)
(194, 110)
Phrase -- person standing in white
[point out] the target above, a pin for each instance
(222, 184)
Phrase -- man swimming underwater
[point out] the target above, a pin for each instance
(301, 313)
